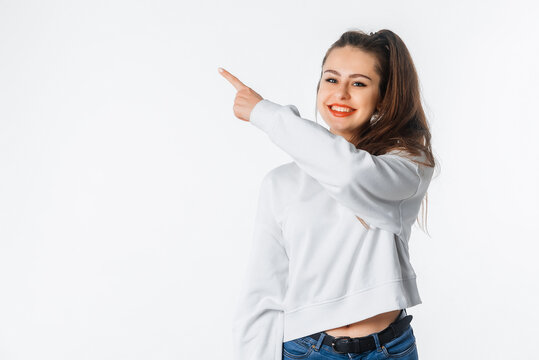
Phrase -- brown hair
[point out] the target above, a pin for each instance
(400, 122)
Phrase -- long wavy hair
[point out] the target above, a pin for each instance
(400, 123)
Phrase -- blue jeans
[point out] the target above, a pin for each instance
(403, 348)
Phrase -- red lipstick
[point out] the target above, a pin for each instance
(341, 113)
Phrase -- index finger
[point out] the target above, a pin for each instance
(232, 79)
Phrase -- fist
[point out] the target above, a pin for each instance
(246, 98)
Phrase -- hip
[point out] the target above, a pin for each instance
(376, 346)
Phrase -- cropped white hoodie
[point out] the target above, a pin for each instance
(313, 266)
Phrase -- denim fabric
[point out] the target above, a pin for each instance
(403, 348)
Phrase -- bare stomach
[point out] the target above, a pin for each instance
(366, 327)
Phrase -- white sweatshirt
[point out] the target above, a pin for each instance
(313, 266)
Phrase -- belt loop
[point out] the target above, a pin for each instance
(377, 342)
(320, 339)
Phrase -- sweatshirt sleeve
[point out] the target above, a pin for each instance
(370, 186)
(258, 324)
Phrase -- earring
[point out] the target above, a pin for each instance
(374, 118)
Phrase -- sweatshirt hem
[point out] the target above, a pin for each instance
(400, 294)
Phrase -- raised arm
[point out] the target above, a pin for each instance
(258, 325)
(371, 186)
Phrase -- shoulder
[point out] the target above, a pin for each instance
(417, 162)
(283, 179)
(283, 173)
(405, 155)
(278, 187)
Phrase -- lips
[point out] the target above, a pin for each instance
(341, 113)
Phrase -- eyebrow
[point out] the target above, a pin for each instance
(351, 76)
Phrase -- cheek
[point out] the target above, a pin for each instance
(320, 100)
(320, 107)
(322, 95)
(374, 98)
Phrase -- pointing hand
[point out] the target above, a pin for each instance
(246, 98)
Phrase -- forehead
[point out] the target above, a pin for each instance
(350, 60)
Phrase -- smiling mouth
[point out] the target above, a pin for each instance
(338, 113)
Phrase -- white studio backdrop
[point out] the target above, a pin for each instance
(128, 187)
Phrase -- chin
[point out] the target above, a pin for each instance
(341, 126)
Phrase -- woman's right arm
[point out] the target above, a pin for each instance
(373, 187)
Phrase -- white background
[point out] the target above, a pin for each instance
(128, 187)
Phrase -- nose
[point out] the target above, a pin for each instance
(342, 93)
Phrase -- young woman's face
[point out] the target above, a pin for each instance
(349, 79)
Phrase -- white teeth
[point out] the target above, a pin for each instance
(341, 109)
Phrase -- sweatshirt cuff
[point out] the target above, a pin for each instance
(263, 115)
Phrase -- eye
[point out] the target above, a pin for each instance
(332, 80)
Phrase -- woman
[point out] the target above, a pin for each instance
(329, 274)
